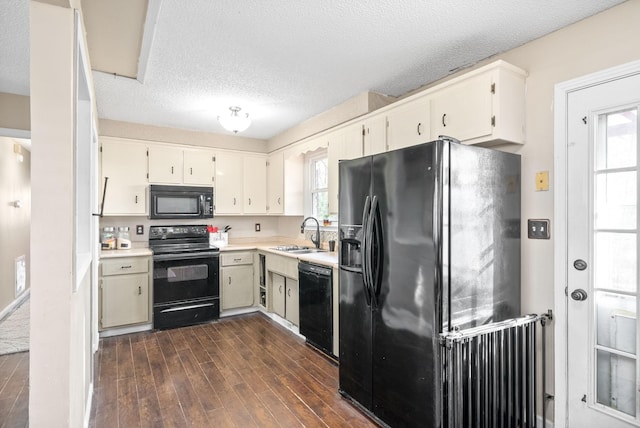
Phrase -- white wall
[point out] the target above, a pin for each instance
(60, 363)
(15, 185)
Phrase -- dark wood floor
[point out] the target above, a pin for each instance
(238, 372)
(14, 390)
(245, 371)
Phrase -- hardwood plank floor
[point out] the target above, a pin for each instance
(14, 390)
(244, 372)
(238, 372)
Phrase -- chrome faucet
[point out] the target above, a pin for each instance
(317, 240)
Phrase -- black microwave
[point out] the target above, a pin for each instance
(180, 202)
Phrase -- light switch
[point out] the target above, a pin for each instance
(542, 181)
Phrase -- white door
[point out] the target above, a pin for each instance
(602, 255)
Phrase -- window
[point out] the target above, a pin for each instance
(318, 167)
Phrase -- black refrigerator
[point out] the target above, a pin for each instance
(429, 242)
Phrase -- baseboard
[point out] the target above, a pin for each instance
(539, 422)
(13, 305)
(125, 330)
(283, 322)
(241, 311)
(87, 409)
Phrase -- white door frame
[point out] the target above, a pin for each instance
(561, 94)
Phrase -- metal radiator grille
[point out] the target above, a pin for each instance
(489, 375)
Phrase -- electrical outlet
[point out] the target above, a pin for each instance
(257, 227)
(140, 229)
(538, 228)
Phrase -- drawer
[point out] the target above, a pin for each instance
(233, 259)
(122, 266)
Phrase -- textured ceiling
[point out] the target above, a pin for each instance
(286, 61)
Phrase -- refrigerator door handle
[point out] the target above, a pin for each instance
(378, 250)
(371, 261)
(365, 258)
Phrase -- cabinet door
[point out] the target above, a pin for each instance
(278, 293)
(228, 189)
(165, 165)
(275, 184)
(125, 164)
(124, 299)
(375, 135)
(255, 185)
(236, 289)
(408, 125)
(463, 110)
(292, 301)
(334, 154)
(198, 167)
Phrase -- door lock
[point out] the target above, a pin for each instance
(579, 294)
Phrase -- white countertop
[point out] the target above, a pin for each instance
(134, 252)
(323, 258)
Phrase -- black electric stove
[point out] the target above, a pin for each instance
(186, 288)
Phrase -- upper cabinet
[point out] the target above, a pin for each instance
(124, 163)
(241, 185)
(344, 144)
(165, 164)
(255, 184)
(285, 184)
(199, 167)
(229, 187)
(374, 135)
(408, 124)
(487, 106)
(174, 165)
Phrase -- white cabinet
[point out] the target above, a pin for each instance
(124, 163)
(344, 144)
(199, 167)
(165, 164)
(285, 184)
(228, 189)
(375, 135)
(255, 184)
(285, 298)
(483, 107)
(237, 280)
(275, 183)
(241, 184)
(408, 124)
(124, 292)
(174, 165)
(282, 281)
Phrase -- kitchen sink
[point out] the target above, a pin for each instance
(296, 249)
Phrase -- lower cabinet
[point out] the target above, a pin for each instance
(125, 286)
(236, 283)
(285, 301)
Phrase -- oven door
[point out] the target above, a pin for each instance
(185, 289)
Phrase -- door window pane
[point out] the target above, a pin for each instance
(618, 147)
(615, 262)
(616, 200)
(616, 382)
(616, 321)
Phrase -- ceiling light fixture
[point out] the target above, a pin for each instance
(235, 122)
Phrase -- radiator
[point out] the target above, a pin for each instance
(489, 375)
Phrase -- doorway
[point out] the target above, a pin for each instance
(596, 250)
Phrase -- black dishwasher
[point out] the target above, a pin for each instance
(316, 305)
